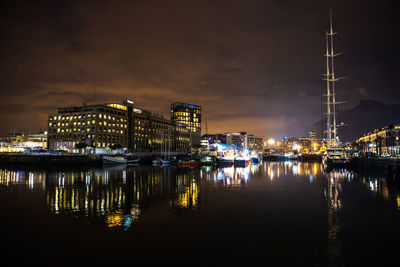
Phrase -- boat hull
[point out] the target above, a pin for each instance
(241, 163)
(338, 162)
(224, 163)
(114, 160)
(255, 160)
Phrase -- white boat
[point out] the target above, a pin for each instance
(335, 157)
(115, 159)
(133, 161)
(164, 162)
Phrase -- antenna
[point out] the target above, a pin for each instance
(206, 126)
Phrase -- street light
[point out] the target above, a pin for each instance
(271, 142)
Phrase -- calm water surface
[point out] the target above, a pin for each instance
(282, 213)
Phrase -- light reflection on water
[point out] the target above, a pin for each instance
(118, 194)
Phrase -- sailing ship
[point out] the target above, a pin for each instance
(334, 154)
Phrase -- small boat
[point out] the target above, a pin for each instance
(208, 161)
(165, 161)
(134, 161)
(115, 159)
(254, 160)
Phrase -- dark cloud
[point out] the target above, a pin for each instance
(253, 65)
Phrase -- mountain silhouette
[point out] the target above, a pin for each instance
(364, 117)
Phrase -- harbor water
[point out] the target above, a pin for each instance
(277, 213)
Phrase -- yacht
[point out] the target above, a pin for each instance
(335, 156)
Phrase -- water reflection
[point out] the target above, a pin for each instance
(119, 195)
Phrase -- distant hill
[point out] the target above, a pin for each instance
(366, 116)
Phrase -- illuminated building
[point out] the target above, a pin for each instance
(208, 139)
(255, 143)
(18, 142)
(313, 135)
(241, 139)
(384, 141)
(188, 116)
(113, 124)
(238, 139)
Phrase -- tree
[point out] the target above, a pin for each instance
(378, 144)
(362, 145)
(80, 145)
(368, 146)
(355, 147)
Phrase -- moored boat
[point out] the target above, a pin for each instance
(223, 162)
(239, 162)
(115, 159)
(335, 157)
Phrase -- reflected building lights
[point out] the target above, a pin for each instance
(118, 195)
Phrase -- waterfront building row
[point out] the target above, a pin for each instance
(18, 142)
(115, 125)
(383, 141)
(240, 139)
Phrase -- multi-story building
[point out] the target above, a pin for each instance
(208, 139)
(189, 116)
(384, 141)
(239, 139)
(18, 142)
(255, 143)
(113, 124)
(299, 144)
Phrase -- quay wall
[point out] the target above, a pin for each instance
(49, 160)
(18, 159)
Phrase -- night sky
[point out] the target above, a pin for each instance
(253, 66)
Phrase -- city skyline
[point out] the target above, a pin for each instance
(254, 67)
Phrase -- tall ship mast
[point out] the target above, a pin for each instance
(334, 155)
(332, 138)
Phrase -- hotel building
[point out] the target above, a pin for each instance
(114, 124)
(189, 116)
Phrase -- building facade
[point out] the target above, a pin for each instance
(255, 143)
(18, 142)
(189, 116)
(208, 139)
(114, 125)
(238, 139)
(383, 141)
